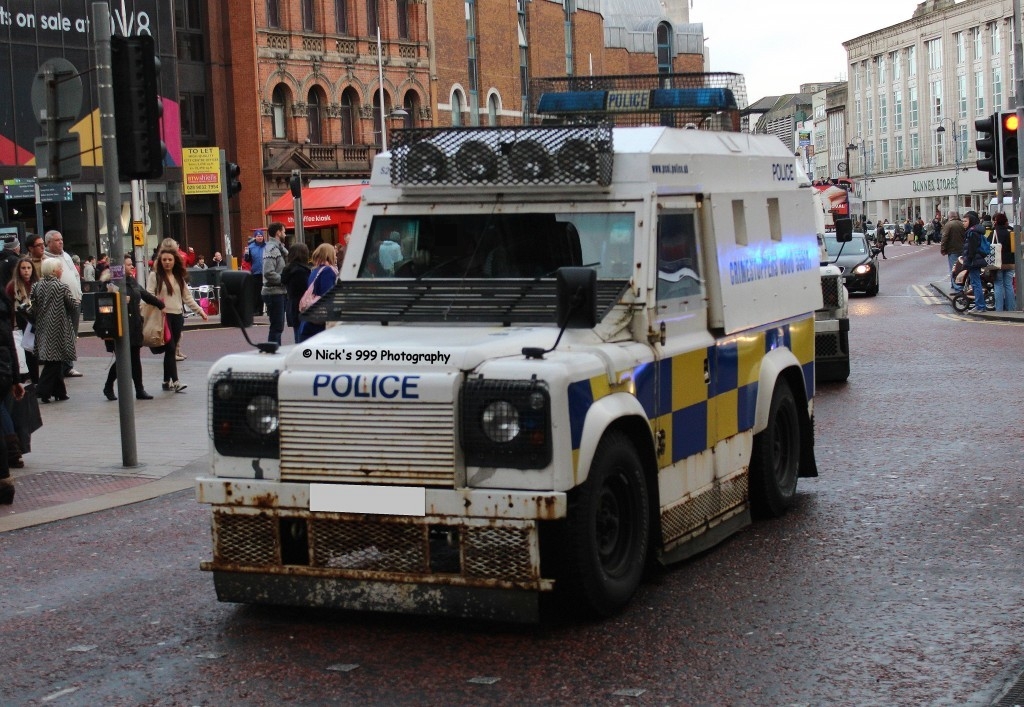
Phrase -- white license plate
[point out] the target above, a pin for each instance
(377, 500)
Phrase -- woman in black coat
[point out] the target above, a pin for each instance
(135, 294)
(295, 278)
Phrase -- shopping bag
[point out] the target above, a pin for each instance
(26, 417)
(994, 257)
(18, 338)
(28, 339)
(153, 326)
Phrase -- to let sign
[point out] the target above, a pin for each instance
(200, 168)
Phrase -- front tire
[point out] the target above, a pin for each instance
(775, 461)
(608, 528)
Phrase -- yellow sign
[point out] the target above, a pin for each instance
(138, 233)
(200, 170)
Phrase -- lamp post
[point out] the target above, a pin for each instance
(956, 157)
(857, 143)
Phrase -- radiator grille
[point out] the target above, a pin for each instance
(494, 552)
(381, 443)
(245, 540)
(830, 291)
(826, 345)
(386, 547)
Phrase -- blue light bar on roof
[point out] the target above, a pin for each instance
(573, 102)
(693, 99)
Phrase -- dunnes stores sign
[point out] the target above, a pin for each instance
(940, 184)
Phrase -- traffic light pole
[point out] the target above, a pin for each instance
(225, 217)
(1018, 72)
(112, 195)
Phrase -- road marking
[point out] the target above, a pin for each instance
(928, 295)
(979, 320)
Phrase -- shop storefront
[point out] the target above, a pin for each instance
(327, 212)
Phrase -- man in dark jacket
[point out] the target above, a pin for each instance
(974, 258)
(951, 244)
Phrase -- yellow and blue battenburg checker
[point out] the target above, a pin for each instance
(694, 415)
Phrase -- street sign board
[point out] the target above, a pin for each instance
(26, 189)
(200, 170)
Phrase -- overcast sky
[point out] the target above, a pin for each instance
(780, 44)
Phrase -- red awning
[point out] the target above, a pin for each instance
(322, 207)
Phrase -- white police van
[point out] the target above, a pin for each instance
(596, 350)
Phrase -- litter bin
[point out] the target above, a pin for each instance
(242, 312)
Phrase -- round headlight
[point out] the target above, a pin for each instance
(261, 415)
(224, 391)
(500, 421)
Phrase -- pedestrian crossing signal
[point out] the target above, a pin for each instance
(1008, 162)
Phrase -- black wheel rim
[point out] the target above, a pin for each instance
(615, 525)
(783, 449)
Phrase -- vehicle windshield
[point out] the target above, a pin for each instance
(855, 247)
(497, 245)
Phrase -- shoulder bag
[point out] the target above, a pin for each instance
(994, 256)
(154, 328)
(308, 297)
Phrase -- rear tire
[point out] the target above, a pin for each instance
(775, 461)
(960, 302)
(608, 529)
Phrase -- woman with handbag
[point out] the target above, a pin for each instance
(19, 291)
(135, 294)
(54, 307)
(321, 280)
(167, 282)
(295, 278)
(974, 258)
(1006, 299)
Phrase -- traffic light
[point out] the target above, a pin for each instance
(233, 171)
(987, 145)
(1008, 163)
(137, 107)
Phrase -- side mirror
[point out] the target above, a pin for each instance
(844, 230)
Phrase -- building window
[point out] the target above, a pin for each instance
(867, 75)
(979, 93)
(881, 70)
(568, 8)
(961, 146)
(912, 97)
(897, 108)
(979, 50)
(993, 30)
(193, 115)
(412, 107)
(492, 110)
(278, 111)
(870, 105)
(314, 116)
(883, 115)
(912, 60)
(899, 152)
(456, 108)
(273, 13)
(341, 16)
(915, 150)
(934, 47)
(188, 30)
(856, 77)
(308, 19)
(885, 155)
(402, 9)
(377, 124)
(349, 116)
(937, 99)
(471, 57)
(897, 66)
(997, 88)
(664, 48)
(938, 149)
(961, 48)
(372, 19)
(961, 96)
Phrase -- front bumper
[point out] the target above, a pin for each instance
(478, 550)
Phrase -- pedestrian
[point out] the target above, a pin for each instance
(974, 258)
(54, 241)
(880, 239)
(274, 292)
(322, 277)
(35, 244)
(135, 295)
(171, 244)
(217, 261)
(102, 270)
(54, 307)
(935, 233)
(9, 381)
(1006, 299)
(167, 281)
(919, 231)
(254, 256)
(19, 291)
(89, 269)
(951, 244)
(9, 255)
(295, 278)
(201, 262)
